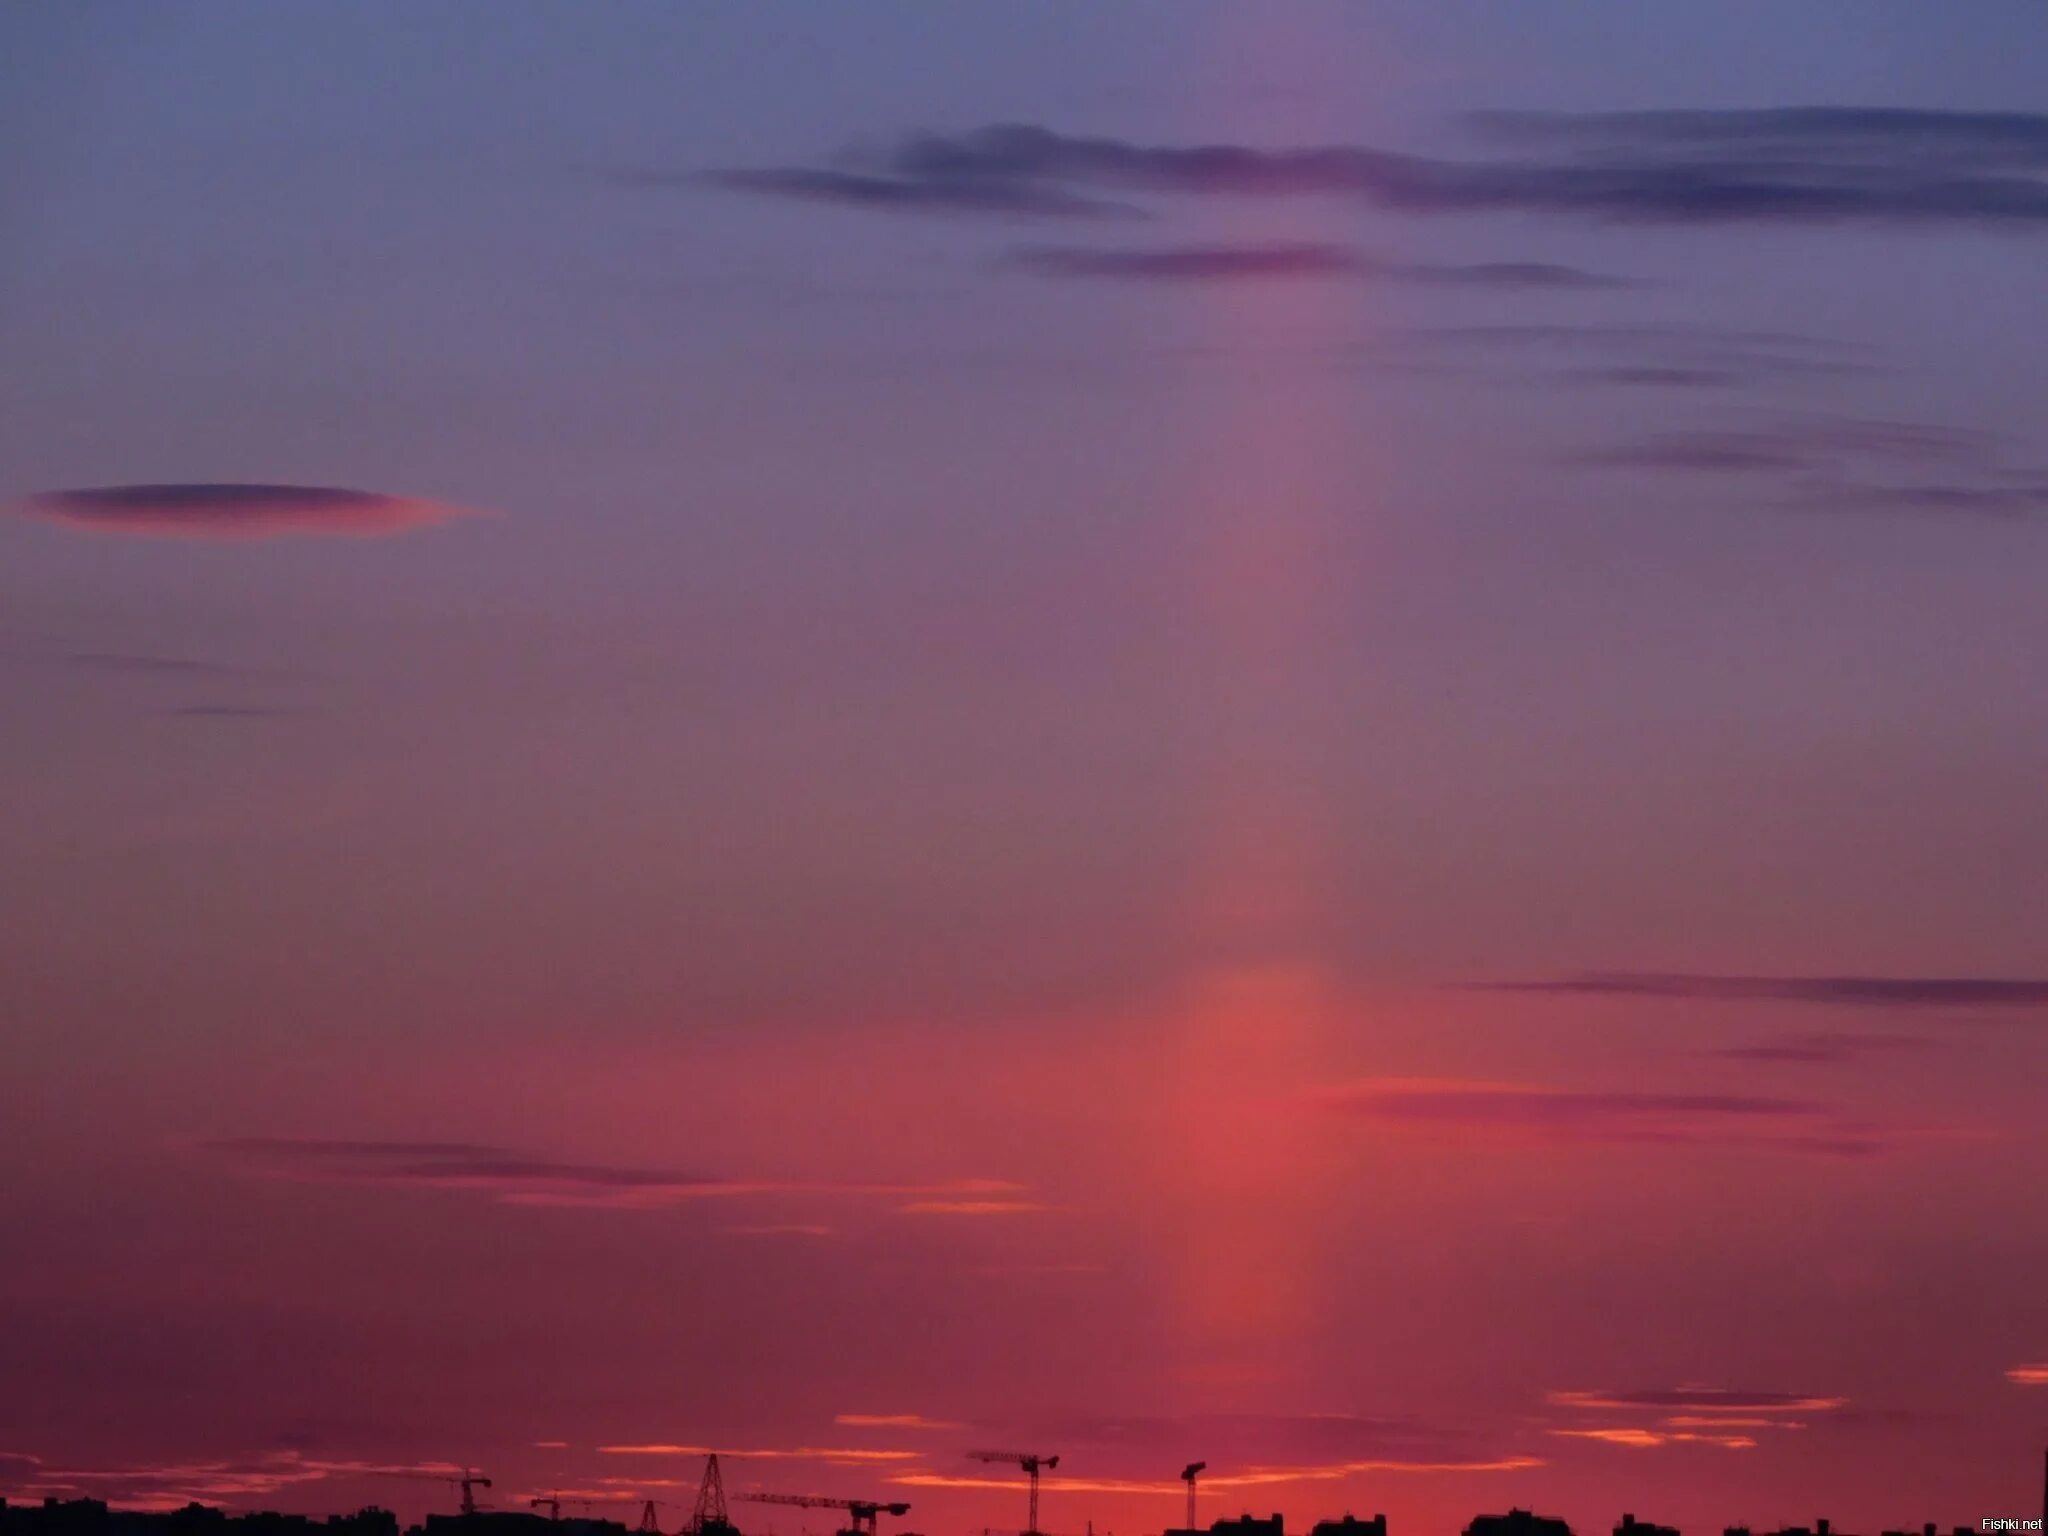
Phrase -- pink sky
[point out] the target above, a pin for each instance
(1029, 728)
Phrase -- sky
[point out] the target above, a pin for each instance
(1304, 736)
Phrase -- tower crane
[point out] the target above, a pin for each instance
(552, 1503)
(468, 1482)
(1188, 1474)
(861, 1514)
(1031, 1465)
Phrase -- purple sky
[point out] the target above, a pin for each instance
(1306, 736)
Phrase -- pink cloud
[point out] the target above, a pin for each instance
(893, 1421)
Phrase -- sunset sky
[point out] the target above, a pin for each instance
(1305, 736)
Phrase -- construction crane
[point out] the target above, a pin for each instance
(469, 1482)
(1031, 1465)
(552, 1504)
(861, 1514)
(1188, 1474)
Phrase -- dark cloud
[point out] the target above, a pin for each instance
(228, 712)
(1821, 1050)
(1506, 274)
(1629, 335)
(1817, 444)
(1561, 1115)
(1887, 134)
(1539, 1106)
(234, 511)
(1198, 263)
(518, 1178)
(1832, 991)
(1640, 355)
(890, 193)
(1845, 464)
(1979, 500)
(1787, 165)
(1178, 264)
(1700, 452)
(1655, 376)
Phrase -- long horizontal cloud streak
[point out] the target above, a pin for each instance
(1718, 1399)
(1536, 1113)
(1283, 261)
(1256, 1477)
(1833, 991)
(1822, 1050)
(1794, 165)
(515, 1178)
(1645, 1439)
(888, 193)
(751, 1453)
(235, 511)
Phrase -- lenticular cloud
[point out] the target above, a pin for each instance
(235, 510)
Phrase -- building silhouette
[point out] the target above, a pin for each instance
(91, 1517)
(1350, 1525)
(1517, 1522)
(1631, 1526)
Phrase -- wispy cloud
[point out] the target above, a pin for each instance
(234, 511)
(1191, 264)
(771, 1453)
(972, 1207)
(1822, 464)
(1689, 1415)
(1822, 1050)
(894, 1421)
(1830, 991)
(886, 193)
(1655, 376)
(1282, 1447)
(1535, 1112)
(1646, 1439)
(1717, 1400)
(1808, 165)
(1250, 1477)
(1639, 354)
(2028, 1375)
(517, 1178)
